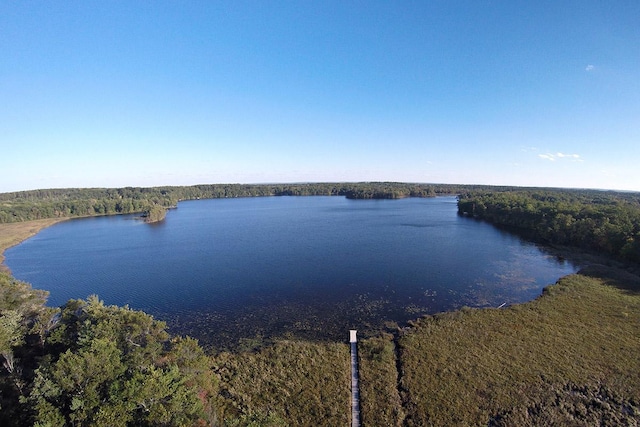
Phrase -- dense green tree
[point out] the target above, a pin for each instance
(20, 305)
(606, 222)
(119, 368)
(156, 213)
(91, 364)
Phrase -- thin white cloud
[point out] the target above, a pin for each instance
(570, 156)
(589, 67)
(557, 156)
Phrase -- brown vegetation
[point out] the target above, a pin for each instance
(13, 233)
(471, 366)
(380, 403)
(289, 383)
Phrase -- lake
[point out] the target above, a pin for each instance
(237, 272)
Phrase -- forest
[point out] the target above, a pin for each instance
(90, 364)
(78, 202)
(603, 222)
(567, 358)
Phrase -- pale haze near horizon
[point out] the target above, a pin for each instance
(114, 94)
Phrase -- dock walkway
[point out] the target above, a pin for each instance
(355, 388)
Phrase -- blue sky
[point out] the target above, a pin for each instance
(146, 93)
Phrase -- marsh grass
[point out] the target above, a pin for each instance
(380, 403)
(465, 367)
(288, 383)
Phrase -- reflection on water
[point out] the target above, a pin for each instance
(234, 271)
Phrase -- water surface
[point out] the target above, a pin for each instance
(231, 271)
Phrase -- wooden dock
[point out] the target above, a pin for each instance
(355, 388)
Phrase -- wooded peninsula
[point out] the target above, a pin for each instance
(570, 357)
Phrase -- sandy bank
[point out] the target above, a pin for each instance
(17, 232)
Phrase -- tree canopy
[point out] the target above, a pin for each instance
(88, 364)
(606, 222)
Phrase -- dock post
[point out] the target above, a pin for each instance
(355, 388)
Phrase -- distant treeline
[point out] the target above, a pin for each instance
(75, 202)
(606, 222)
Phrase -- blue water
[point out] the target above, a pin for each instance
(229, 270)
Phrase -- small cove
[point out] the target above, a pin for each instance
(239, 271)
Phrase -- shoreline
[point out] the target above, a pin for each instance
(14, 233)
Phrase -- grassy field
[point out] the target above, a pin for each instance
(380, 403)
(568, 358)
(13, 233)
(288, 383)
